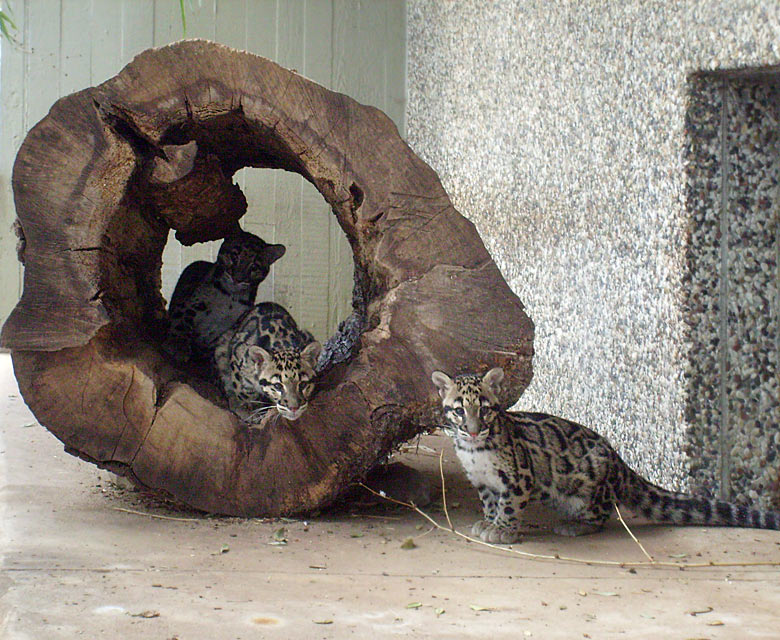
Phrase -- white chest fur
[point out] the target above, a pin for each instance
(479, 464)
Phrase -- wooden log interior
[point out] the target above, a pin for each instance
(98, 184)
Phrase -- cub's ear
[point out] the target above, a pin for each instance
(311, 353)
(493, 378)
(259, 355)
(273, 252)
(442, 381)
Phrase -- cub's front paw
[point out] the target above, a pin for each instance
(478, 527)
(500, 535)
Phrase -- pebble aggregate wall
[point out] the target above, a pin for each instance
(560, 130)
(733, 167)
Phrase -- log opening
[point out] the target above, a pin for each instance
(99, 182)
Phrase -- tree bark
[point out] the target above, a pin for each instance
(99, 182)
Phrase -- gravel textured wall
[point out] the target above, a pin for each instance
(560, 130)
(733, 170)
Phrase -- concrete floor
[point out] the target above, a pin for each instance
(76, 563)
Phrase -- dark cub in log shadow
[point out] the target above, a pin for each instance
(211, 296)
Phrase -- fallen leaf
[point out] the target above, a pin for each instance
(408, 544)
(582, 593)
(224, 548)
(146, 614)
(699, 612)
(678, 555)
(438, 612)
(317, 566)
(476, 607)
(606, 594)
(716, 623)
(322, 621)
(414, 605)
(279, 537)
(356, 535)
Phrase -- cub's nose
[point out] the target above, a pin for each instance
(473, 429)
(472, 423)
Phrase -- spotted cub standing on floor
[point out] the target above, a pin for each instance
(211, 296)
(513, 458)
(265, 361)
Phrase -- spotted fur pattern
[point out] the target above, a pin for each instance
(210, 297)
(265, 361)
(513, 458)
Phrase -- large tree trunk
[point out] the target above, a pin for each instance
(99, 182)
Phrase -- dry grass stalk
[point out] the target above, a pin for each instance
(633, 537)
(155, 515)
(557, 557)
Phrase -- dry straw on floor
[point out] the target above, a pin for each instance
(650, 563)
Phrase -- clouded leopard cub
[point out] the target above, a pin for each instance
(266, 361)
(211, 296)
(513, 458)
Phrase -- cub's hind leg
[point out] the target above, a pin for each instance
(585, 514)
(573, 528)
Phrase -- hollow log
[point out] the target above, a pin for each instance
(102, 178)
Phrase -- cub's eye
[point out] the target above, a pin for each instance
(484, 410)
(460, 412)
(278, 386)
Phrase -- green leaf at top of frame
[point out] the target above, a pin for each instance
(183, 19)
(5, 22)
